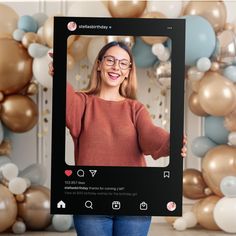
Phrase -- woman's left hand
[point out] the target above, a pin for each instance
(184, 148)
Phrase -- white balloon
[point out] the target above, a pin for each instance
(232, 138)
(88, 8)
(190, 218)
(62, 223)
(40, 70)
(224, 214)
(18, 227)
(40, 33)
(203, 64)
(4, 160)
(170, 9)
(17, 185)
(230, 5)
(9, 171)
(180, 224)
(94, 47)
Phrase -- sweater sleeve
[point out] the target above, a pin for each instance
(75, 107)
(153, 140)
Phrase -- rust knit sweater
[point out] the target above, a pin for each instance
(112, 133)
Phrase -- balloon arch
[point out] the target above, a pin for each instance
(210, 70)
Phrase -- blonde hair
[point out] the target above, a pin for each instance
(128, 88)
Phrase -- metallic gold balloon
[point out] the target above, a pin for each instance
(35, 210)
(215, 66)
(8, 208)
(20, 197)
(171, 219)
(15, 66)
(226, 47)
(193, 184)
(154, 39)
(78, 48)
(5, 148)
(230, 121)
(205, 212)
(8, 21)
(216, 94)
(48, 31)
(219, 162)
(19, 113)
(128, 40)
(32, 89)
(195, 85)
(213, 11)
(195, 106)
(70, 40)
(132, 8)
(195, 206)
(1, 96)
(29, 38)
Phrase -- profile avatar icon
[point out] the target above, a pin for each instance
(72, 26)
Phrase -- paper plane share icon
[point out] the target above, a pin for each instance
(93, 172)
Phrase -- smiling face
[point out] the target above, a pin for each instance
(112, 66)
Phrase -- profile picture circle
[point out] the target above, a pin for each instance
(72, 26)
(171, 206)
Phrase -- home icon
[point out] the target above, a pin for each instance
(61, 204)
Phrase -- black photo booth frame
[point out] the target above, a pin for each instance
(155, 191)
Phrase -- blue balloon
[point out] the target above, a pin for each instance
(62, 223)
(142, 53)
(18, 34)
(230, 73)
(201, 145)
(215, 130)
(27, 24)
(200, 39)
(228, 186)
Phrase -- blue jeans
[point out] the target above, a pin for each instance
(101, 225)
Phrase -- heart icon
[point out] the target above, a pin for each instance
(68, 172)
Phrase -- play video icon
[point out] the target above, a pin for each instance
(93, 172)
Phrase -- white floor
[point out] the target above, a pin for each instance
(157, 229)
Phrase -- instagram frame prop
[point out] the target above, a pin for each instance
(155, 191)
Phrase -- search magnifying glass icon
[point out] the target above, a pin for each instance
(88, 204)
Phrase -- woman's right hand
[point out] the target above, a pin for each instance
(50, 65)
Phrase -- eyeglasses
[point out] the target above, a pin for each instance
(111, 61)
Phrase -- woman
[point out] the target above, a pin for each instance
(111, 128)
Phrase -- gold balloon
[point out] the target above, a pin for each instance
(19, 113)
(15, 66)
(194, 74)
(154, 39)
(1, 96)
(219, 162)
(35, 210)
(20, 197)
(193, 184)
(8, 21)
(226, 48)
(78, 48)
(216, 94)
(5, 148)
(195, 206)
(8, 208)
(171, 219)
(195, 85)
(132, 8)
(29, 38)
(128, 40)
(70, 40)
(230, 121)
(32, 89)
(215, 66)
(205, 212)
(213, 11)
(195, 106)
(48, 31)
